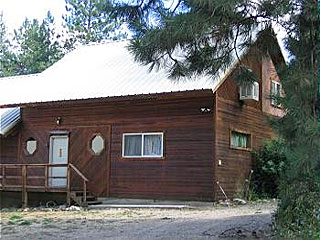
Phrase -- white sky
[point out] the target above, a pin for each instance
(15, 11)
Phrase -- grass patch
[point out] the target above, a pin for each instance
(15, 217)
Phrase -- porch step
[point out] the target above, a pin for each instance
(94, 202)
(77, 197)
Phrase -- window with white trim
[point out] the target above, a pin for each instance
(275, 92)
(142, 145)
(249, 91)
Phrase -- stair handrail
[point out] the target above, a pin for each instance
(85, 180)
(78, 172)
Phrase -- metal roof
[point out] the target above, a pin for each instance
(9, 117)
(93, 71)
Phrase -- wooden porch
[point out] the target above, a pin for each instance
(26, 178)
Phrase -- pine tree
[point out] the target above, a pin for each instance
(34, 47)
(91, 21)
(7, 57)
(37, 46)
(298, 215)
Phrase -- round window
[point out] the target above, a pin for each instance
(97, 144)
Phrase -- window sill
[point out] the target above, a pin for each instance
(248, 99)
(241, 149)
(142, 158)
(277, 106)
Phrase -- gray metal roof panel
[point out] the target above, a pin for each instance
(8, 119)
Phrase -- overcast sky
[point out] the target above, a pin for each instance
(15, 11)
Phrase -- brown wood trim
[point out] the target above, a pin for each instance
(92, 136)
(143, 97)
(215, 142)
(59, 132)
(109, 161)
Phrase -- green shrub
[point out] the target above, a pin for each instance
(268, 164)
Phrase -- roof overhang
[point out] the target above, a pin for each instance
(9, 118)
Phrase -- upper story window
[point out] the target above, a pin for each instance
(240, 140)
(249, 91)
(142, 145)
(275, 92)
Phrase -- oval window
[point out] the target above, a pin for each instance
(31, 146)
(97, 144)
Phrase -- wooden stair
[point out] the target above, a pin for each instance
(78, 198)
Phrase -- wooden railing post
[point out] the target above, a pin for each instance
(68, 185)
(24, 186)
(46, 178)
(85, 192)
(3, 176)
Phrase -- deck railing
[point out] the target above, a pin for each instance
(22, 179)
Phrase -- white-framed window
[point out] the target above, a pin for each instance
(137, 145)
(240, 140)
(275, 92)
(249, 91)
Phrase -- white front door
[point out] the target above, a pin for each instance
(58, 155)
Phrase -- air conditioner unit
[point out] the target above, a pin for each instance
(249, 91)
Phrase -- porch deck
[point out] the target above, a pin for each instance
(26, 178)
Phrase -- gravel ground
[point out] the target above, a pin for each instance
(251, 221)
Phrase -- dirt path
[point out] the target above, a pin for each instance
(252, 221)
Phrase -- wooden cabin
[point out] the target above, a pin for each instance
(98, 122)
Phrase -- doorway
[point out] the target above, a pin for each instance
(58, 154)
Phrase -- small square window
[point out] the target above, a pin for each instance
(142, 145)
(240, 140)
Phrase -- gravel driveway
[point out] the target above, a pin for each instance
(251, 221)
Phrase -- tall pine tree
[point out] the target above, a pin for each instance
(91, 21)
(7, 57)
(36, 46)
